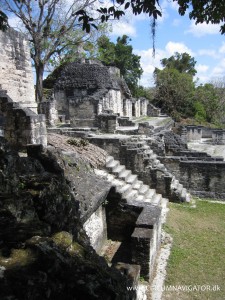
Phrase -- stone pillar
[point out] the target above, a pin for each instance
(48, 108)
(107, 123)
(194, 133)
(16, 76)
(218, 137)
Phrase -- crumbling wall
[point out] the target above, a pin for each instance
(22, 126)
(91, 87)
(16, 74)
(218, 137)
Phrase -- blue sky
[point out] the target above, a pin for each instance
(175, 33)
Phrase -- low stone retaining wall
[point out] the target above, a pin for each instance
(201, 178)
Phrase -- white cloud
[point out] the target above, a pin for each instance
(202, 68)
(122, 27)
(219, 70)
(203, 29)
(208, 52)
(222, 48)
(149, 63)
(172, 47)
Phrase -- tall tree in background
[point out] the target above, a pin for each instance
(52, 25)
(174, 85)
(121, 56)
(182, 62)
(207, 98)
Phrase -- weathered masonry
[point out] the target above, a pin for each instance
(19, 121)
(16, 74)
(197, 133)
(87, 91)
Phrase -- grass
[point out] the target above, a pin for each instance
(198, 252)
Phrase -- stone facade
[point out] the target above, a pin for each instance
(16, 76)
(88, 89)
(218, 137)
(21, 126)
(19, 121)
(197, 133)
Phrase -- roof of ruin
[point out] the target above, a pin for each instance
(89, 75)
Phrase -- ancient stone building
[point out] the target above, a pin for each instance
(19, 121)
(87, 89)
(16, 74)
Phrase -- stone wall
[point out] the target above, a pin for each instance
(218, 137)
(48, 108)
(196, 133)
(96, 228)
(21, 125)
(16, 74)
(202, 178)
(93, 88)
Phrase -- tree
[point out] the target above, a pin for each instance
(174, 92)
(3, 21)
(207, 99)
(175, 86)
(121, 56)
(51, 26)
(201, 11)
(182, 62)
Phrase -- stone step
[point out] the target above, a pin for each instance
(132, 179)
(124, 175)
(109, 159)
(117, 183)
(140, 198)
(125, 189)
(118, 169)
(156, 200)
(143, 190)
(150, 194)
(133, 194)
(112, 164)
(138, 185)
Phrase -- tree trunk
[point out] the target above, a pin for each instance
(39, 82)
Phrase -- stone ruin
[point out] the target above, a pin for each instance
(19, 121)
(143, 165)
(90, 95)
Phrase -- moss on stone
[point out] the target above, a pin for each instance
(77, 250)
(63, 239)
(18, 258)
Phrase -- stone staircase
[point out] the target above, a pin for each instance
(151, 161)
(127, 184)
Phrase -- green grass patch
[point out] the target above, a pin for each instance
(198, 253)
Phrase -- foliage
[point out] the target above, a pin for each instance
(147, 93)
(174, 92)
(121, 56)
(206, 96)
(204, 11)
(182, 62)
(51, 26)
(48, 83)
(3, 21)
(200, 113)
(78, 142)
